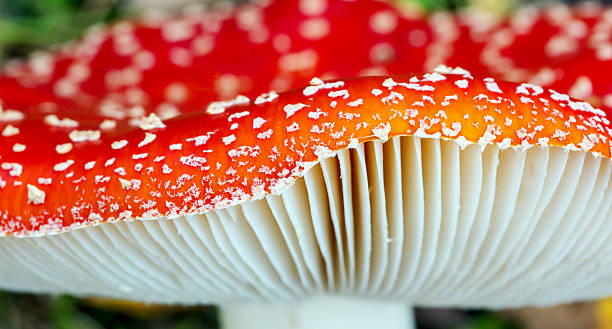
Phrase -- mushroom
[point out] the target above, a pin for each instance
(575, 55)
(535, 42)
(336, 204)
(459, 39)
(171, 64)
(568, 49)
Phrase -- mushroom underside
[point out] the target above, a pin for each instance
(421, 221)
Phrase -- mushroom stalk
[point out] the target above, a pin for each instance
(319, 313)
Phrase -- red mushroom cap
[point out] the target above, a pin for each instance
(70, 172)
(177, 64)
(587, 77)
(172, 65)
(565, 48)
(533, 42)
(460, 40)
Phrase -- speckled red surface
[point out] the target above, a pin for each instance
(75, 150)
(198, 161)
(179, 64)
(175, 64)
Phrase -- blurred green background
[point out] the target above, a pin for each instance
(28, 25)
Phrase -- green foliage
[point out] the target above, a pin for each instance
(64, 314)
(489, 320)
(433, 5)
(22, 311)
(26, 25)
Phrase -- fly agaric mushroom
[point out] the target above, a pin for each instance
(586, 77)
(568, 49)
(163, 64)
(574, 56)
(344, 200)
(536, 41)
(459, 39)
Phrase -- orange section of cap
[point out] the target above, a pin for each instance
(200, 162)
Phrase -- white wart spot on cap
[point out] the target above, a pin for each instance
(266, 134)
(200, 140)
(10, 115)
(145, 60)
(383, 22)
(176, 92)
(63, 148)
(140, 156)
(293, 127)
(265, 98)
(229, 139)
(560, 45)
(298, 61)
(10, 130)
(108, 124)
(382, 52)
(316, 81)
(125, 184)
(17, 147)
(149, 138)
(382, 131)
(181, 57)
(462, 83)
(582, 88)
(316, 84)
(314, 28)
(291, 109)
(65, 88)
(492, 86)
(117, 145)
(62, 166)
(238, 115)
(53, 120)
(15, 169)
(607, 100)
(344, 94)
(313, 7)
(281, 43)
(84, 135)
(35, 195)
(178, 30)
(227, 85)
(203, 45)
(219, 107)
(443, 69)
(150, 122)
(258, 122)
(78, 72)
(167, 111)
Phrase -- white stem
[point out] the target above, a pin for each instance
(319, 313)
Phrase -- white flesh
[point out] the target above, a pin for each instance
(419, 221)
